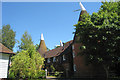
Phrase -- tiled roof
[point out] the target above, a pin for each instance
(4, 49)
(42, 48)
(57, 51)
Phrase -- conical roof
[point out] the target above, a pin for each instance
(42, 47)
(83, 11)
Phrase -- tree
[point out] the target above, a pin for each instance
(27, 64)
(8, 37)
(100, 35)
(26, 41)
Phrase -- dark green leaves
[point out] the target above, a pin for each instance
(26, 41)
(100, 34)
(8, 37)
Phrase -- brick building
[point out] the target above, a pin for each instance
(66, 59)
(79, 65)
(61, 58)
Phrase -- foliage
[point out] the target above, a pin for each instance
(26, 41)
(54, 72)
(27, 64)
(7, 37)
(37, 46)
(100, 35)
(57, 73)
(52, 68)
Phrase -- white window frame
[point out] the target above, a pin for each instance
(54, 59)
(64, 58)
(48, 60)
(73, 53)
(74, 67)
(73, 47)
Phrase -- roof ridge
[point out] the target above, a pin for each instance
(57, 51)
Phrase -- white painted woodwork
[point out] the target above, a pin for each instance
(74, 67)
(54, 59)
(82, 7)
(4, 60)
(73, 47)
(48, 60)
(42, 38)
(73, 53)
(64, 58)
(61, 44)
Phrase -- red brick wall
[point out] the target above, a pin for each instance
(83, 70)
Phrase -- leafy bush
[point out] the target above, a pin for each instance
(52, 68)
(58, 74)
(27, 64)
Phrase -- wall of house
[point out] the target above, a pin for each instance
(65, 66)
(82, 69)
(4, 60)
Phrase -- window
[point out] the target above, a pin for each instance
(73, 53)
(60, 59)
(48, 60)
(64, 58)
(72, 47)
(54, 59)
(74, 67)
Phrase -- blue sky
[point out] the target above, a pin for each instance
(54, 19)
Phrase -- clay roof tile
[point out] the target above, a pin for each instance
(4, 49)
(57, 51)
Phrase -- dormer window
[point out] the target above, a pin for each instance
(54, 59)
(48, 60)
(64, 58)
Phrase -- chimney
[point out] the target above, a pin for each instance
(61, 44)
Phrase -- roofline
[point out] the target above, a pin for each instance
(60, 52)
(61, 46)
(7, 53)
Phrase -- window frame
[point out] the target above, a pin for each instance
(73, 47)
(64, 58)
(54, 59)
(48, 60)
(74, 68)
(73, 53)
